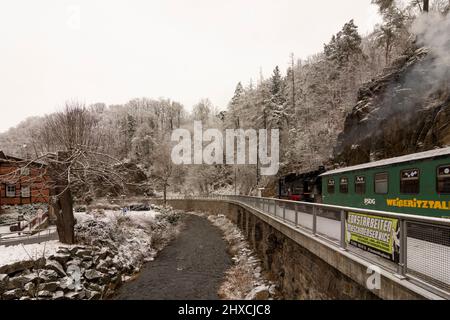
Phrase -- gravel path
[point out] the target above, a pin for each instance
(191, 267)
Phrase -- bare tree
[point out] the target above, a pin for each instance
(164, 169)
(70, 142)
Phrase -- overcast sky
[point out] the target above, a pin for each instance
(112, 51)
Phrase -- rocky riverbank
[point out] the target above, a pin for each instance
(112, 248)
(246, 279)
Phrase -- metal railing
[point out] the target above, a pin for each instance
(424, 242)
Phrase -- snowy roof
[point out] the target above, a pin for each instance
(385, 162)
(10, 159)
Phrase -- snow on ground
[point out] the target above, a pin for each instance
(4, 229)
(138, 217)
(136, 235)
(13, 254)
(246, 279)
(24, 236)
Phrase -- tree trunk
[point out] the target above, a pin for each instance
(65, 220)
(426, 5)
(62, 203)
(165, 195)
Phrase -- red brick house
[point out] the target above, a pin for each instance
(22, 181)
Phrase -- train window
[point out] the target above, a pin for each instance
(381, 183)
(343, 185)
(410, 181)
(443, 179)
(360, 184)
(330, 186)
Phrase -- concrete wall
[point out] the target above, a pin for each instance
(305, 267)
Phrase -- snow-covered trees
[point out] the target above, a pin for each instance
(164, 170)
(71, 144)
(345, 45)
(276, 108)
(442, 6)
(235, 107)
(203, 110)
(310, 102)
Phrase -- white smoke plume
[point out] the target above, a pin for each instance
(433, 31)
(399, 100)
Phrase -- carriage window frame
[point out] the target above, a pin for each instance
(328, 186)
(357, 184)
(401, 180)
(341, 184)
(437, 179)
(375, 182)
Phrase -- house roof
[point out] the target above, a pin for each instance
(410, 157)
(5, 158)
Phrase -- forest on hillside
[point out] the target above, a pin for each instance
(308, 103)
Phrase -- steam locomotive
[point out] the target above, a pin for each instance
(304, 187)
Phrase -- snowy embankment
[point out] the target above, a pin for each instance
(17, 253)
(111, 247)
(246, 279)
(137, 235)
(134, 231)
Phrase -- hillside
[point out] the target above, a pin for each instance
(404, 110)
(395, 117)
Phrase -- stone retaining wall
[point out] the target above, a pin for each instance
(78, 272)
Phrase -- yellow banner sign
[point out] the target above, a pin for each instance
(372, 233)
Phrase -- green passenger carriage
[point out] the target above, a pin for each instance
(416, 184)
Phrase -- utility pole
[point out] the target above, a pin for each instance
(257, 161)
(235, 180)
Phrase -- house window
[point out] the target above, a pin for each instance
(330, 186)
(360, 185)
(26, 191)
(343, 185)
(25, 171)
(10, 191)
(410, 181)
(443, 179)
(381, 183)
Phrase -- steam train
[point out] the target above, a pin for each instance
(417, 184)
(305, 187)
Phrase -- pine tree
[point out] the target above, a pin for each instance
(261, 116)
(276, 82)
(238, 92)
(391, 30)
(344, 45)
(383, 4)
(235, 106)
(276, 114)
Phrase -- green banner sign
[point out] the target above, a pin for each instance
(375, 234)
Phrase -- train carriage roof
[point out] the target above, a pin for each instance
(386, 162)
